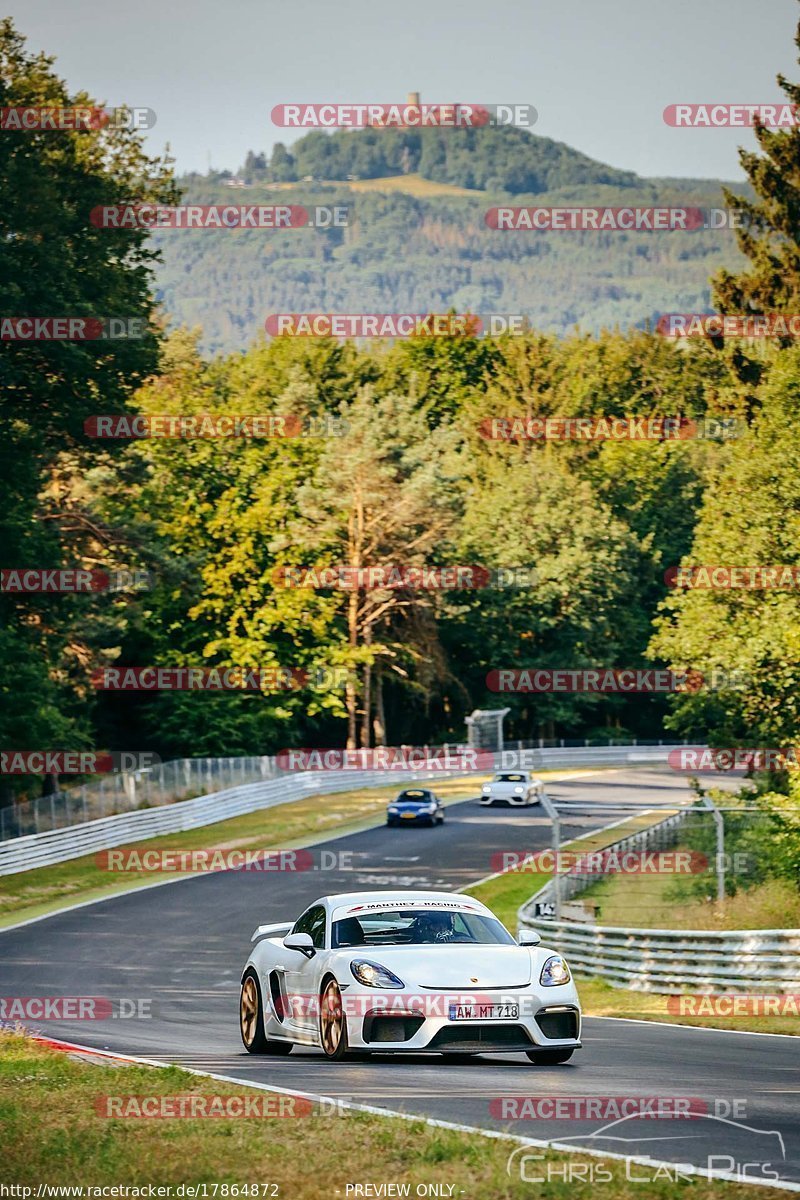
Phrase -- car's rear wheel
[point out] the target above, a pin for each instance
(332, 1021)
(549, 1058)
(251, 1019)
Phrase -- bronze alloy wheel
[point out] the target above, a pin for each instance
(248, 1011)
(332, 1024)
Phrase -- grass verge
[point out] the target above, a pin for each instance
(600, 999)
(54, 1135)
(774, 904)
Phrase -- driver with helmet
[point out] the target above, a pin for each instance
(434, 927)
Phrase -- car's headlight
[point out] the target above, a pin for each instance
(519, 790)
(555, 971)
(486, 789)
(374, 975)
(393, 808)
(431, 808)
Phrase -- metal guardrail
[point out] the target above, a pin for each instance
(673, 960)
(128, 791)
(59, 845)
(179, 779)
(669, 960)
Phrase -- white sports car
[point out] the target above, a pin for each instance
(430, 972)
(513, 788)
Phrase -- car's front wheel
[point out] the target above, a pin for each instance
(251, 1019)
(549, 1058)
(332, 1021)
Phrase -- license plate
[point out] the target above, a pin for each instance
(483, 1012)
(408, 816)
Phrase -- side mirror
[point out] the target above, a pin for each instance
(301, 942)
(527, 937)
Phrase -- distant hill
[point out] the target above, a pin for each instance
(502, 159)
(417, 240)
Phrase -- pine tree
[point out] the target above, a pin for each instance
(769, 233)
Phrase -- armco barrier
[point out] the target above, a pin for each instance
(59, 845)
(669, 960)
(673, 960)
(44, 849)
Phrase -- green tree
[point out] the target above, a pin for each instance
(55, 263)
(583, 610)
(750, 516)
(770, 231)
(386, 494)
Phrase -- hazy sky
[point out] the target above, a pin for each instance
(600, 72)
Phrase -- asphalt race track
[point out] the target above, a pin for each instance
(182, 948)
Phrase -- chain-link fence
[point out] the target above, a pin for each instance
(127, 791)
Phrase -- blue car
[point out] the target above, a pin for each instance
(415, 806)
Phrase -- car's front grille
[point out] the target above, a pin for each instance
(558, 1024)
(480, 1039)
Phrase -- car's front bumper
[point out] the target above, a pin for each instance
(412, 1024)
(510, 801)
(410, 818)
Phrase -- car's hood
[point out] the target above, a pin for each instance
(460, 966)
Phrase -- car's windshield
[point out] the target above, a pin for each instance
(419, 927)
(510, 779)
(413, 797)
